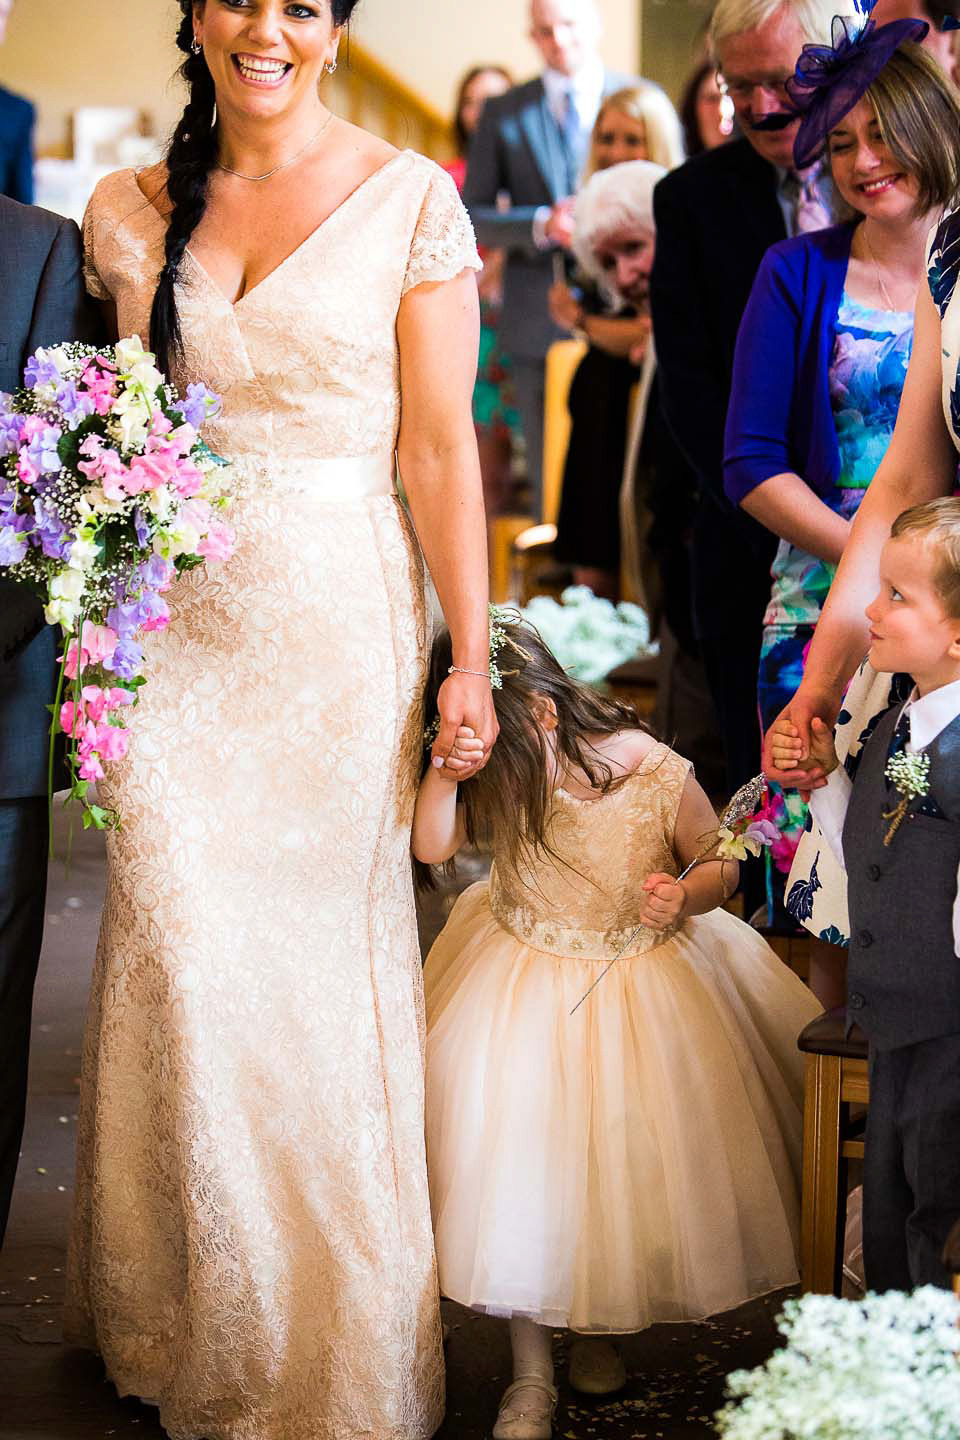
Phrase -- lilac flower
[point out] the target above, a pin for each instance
(52, 536)
(42, 450)
(40, 371)
(199, 404)
(155, 573)
(12, 545)
(762, 831)
(154, 612)
(127, 659)
(75, 405)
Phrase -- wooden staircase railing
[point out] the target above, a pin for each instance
(369, 94)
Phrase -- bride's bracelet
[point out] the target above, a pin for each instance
(459, 670)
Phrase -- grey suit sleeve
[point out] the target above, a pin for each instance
(501, 229)
(63, 309)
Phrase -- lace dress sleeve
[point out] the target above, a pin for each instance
(94, 221)
(443, 242)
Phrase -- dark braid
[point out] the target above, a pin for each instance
(190, 158)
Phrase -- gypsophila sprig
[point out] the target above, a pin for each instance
(498, 639)
(107, 492)
(885, 1367)
(909, 774)
(588, 635)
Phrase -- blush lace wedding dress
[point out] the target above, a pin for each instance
(252, 1247)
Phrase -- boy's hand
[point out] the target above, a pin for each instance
(786, 746)
(665, 902)
(465, 755)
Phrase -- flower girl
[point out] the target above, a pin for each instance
(638, 1160)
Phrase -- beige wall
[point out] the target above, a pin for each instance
(120, 52)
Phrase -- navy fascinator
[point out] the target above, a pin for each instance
(830, 80)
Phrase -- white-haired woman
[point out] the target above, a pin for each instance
(634, 125)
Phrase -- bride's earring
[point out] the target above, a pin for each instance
(330, 67)
(195, 47)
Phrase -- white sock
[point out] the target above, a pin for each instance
(532, 1346)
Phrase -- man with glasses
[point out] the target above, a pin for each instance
(716, 217)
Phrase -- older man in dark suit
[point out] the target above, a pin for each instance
(524, 166)
(16, 134)
(716, 217)
(42, 301)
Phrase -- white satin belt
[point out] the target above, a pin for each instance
(347, 477)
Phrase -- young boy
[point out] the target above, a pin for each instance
(896, 829)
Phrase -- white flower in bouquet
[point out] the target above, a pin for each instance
(882, 1368)
(589, 636)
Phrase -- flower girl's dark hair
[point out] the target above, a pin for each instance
(506, 806)
(191, 156)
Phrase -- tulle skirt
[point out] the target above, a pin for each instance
(636, 1162)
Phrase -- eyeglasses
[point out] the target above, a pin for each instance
(741, 87)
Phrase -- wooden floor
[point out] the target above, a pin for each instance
(50, 1392)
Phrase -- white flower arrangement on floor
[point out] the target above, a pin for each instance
(885, 1367)
(590, 637)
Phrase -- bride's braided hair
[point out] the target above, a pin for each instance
(191, 156)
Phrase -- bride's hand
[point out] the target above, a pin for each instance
(466, 700)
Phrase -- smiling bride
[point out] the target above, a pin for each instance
(252, 1248)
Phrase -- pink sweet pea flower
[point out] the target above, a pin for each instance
(106, 466)
(113, 742)
(218, 542)
(101, 385)
(89, 767)
(97, 644)
(188, 479)
(27, 472)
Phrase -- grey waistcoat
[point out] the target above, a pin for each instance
(903, 978)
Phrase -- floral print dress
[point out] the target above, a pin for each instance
(867, 371)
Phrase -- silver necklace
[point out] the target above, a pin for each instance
(284, 163)
(883, 289)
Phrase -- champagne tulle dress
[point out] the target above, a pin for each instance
(252, 1247)
(637, 1161)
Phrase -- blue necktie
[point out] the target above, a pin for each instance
(572, 136)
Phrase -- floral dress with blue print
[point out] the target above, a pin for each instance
(816, 886)
(867, 370)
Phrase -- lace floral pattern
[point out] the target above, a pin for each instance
(252, 1246)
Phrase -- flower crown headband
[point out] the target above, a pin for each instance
(499, 640)
(830, 80)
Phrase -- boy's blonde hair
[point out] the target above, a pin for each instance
(938, 524)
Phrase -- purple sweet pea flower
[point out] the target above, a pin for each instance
(12, 545)
(52, 536)
(154, 612)
(763, 831)
(42, 450)
(127, 659)
(124, 618)
(11, 427)
(155, 573)
(199, 404)
(40, 372)
(75, 405)
(140, 526)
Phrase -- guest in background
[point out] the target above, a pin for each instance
(706, 113)
(42, 302)
(716, 217)
(16, 134)
(650, 509)
(530, 147)
(638, 123)
(941, 43)
(494, 413)
(822, 358)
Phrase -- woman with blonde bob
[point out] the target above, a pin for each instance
(820, 366)
(636, 123)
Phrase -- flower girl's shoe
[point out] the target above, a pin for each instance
(526, 1410)
(596, 1367)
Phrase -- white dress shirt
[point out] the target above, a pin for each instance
(929, 716)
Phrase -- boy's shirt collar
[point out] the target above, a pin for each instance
(931, 714)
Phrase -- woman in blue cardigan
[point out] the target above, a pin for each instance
(820, 365)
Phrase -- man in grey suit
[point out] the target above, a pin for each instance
(42, 301)
(524, 165)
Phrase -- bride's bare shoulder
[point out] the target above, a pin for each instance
(367, 152)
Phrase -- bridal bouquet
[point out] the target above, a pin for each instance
(107, 493)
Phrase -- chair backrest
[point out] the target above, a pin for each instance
(563, 358)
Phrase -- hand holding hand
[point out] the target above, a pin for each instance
(465, 703)
(786, 746)
(559, 226)
(665, 901)
(565, 309)
(806, 773)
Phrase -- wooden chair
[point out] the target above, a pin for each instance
(835, 1087)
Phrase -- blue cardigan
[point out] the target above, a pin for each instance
(780, 418)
